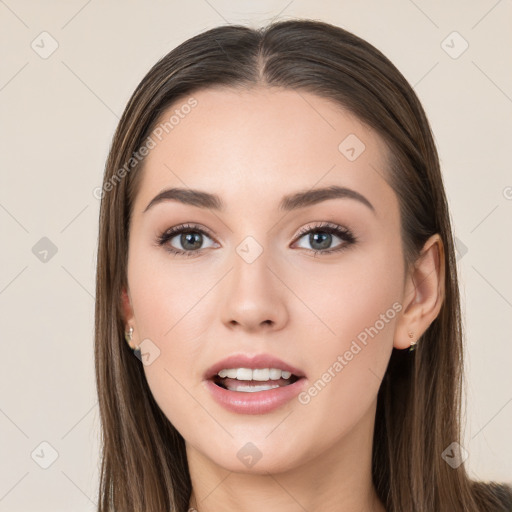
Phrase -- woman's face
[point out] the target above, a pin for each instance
(251, 283)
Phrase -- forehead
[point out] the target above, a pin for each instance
(260, 144)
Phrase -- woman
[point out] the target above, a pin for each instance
(275, 246)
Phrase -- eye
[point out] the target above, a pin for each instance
(189, 236)
(320, 237)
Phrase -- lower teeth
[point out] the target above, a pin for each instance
(252, 386)
(252, 389)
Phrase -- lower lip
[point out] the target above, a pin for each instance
(259, 402)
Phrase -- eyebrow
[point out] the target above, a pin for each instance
(288, 203)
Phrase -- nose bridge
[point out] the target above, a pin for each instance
(252, 277)
(254, 296)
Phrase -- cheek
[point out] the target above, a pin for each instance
(167, 297)
(340, 298)
(168, 329)
(356, 306)
(171, 303)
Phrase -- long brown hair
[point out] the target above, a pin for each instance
(144, 465)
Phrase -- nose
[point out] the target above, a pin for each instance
(254, 295)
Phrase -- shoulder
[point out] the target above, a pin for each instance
(493, 496)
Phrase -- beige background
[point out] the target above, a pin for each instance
(58, 115)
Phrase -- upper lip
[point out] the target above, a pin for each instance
(251, 361)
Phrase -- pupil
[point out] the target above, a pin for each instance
(320, 234)
(187, 238)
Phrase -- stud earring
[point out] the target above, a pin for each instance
(128, 336)
(413, 343)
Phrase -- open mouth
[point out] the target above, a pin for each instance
(257, 390)
(252, 386)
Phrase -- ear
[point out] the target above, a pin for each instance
(423, 293)
(128, 316)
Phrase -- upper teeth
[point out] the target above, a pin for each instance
(256, 374)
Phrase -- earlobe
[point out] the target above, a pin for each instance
(126, 306)
(423, 294)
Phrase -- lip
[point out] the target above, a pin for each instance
(256, 361)
(258, 402)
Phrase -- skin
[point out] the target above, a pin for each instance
(252, 147)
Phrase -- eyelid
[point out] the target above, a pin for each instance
(164, 238)
(187, 226)
(321, 225)
(344, 233)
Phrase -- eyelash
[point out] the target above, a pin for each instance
(324, 227)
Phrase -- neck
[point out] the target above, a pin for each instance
(338, 479)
